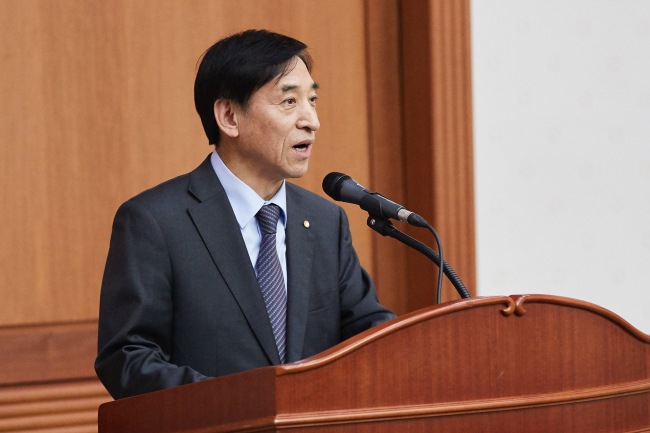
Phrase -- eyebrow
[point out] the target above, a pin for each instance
(288, 87)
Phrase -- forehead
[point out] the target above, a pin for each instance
(297, 77)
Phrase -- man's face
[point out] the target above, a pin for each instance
(278, 129)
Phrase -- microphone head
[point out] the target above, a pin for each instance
(332, 184)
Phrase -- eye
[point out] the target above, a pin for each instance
(289, 101)
(313, 100)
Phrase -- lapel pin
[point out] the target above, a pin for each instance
(306, 224)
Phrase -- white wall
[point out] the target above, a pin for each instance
(562, 148)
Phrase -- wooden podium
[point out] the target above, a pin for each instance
(530, 363)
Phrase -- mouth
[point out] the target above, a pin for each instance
(303, 146)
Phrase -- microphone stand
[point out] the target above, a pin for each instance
(385, 228)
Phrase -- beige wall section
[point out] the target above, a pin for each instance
(97, 105)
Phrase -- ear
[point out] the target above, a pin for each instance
(226, 115)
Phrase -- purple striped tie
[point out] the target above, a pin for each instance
(270, 277)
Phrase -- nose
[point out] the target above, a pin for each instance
(308, 118)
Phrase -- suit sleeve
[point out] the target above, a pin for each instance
(136, 311)
(360, 308)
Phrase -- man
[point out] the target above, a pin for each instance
(230, 268)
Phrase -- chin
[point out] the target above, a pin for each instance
(295, 174)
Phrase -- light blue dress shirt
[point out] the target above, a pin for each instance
(246, 203)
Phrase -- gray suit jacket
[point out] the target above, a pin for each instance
(180, 300)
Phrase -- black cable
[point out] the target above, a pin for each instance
(441, 263)
(385, 228)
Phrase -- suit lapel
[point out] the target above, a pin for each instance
(215, 220)
(300, 254)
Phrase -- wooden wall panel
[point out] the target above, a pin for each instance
(47, 381)
(419, 100)
(98, 105)
(438, 137)
(47, 353)
(69, 407)
(386, 148)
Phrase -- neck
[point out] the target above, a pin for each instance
(264, 187)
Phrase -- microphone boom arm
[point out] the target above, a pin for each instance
(385, 228)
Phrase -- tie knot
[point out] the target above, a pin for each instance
(267, 218)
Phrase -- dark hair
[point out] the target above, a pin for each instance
(237, 66)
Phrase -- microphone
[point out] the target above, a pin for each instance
(342, 187)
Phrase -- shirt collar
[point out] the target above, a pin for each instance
(244, 200)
